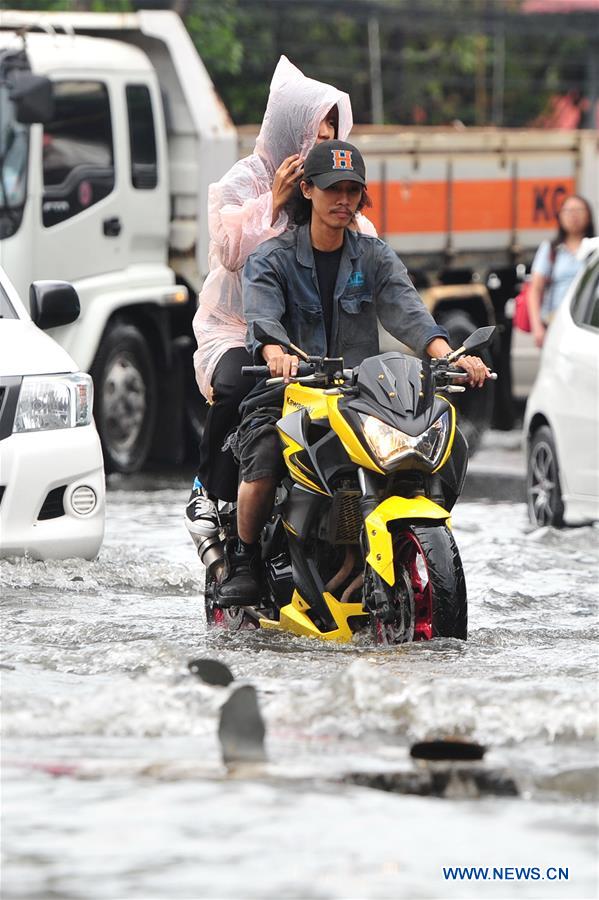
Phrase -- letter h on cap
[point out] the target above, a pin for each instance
(342, 159)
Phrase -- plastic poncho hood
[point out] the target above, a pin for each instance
(296, 107)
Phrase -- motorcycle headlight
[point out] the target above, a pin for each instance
(54, 401)
(390, 445)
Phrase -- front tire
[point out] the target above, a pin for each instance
(543, 488)
(429, 556)
(125, 404)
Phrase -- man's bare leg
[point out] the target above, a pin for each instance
(254, 504)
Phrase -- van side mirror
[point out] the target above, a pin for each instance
(53, 303)
(33, 98)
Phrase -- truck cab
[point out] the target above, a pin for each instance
(107, 193)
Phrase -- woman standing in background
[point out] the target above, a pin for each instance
(556, 264)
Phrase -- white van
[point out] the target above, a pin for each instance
(52, 492)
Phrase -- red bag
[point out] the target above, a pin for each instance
(521, 318)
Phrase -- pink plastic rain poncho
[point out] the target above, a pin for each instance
(240, 207)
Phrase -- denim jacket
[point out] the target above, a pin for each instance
(280, 293)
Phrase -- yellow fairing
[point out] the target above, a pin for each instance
(292, 447)
(297, 396)
(352, 445)
(380, 542)
(301, 396)
(294, 619)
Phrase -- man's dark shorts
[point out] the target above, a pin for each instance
(258, 446)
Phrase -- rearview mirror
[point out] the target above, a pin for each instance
(33, 98)
(277, 336)
(53, 303)
(480, 338)
(263, 336)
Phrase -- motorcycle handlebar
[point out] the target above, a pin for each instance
(264, 372)
(461, 375)
(304, 369)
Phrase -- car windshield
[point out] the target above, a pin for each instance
(7, 310)
(14, 150)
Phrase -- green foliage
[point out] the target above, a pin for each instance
(438, 56)
(71, 5)
(212, 28)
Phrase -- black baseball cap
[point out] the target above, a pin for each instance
(333, 161)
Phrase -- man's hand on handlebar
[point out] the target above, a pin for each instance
(475, 368)
(280, 364)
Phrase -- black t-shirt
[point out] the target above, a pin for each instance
(327, 266)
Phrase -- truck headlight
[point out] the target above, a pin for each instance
(54, 401)
(389, 444)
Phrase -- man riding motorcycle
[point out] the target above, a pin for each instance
(320, 286)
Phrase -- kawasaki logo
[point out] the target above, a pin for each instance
(291, 402)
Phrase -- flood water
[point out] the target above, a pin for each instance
(113, 785)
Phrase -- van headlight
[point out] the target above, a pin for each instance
(390, 445)
(47, 402)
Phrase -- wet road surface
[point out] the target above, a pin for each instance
(112, 781)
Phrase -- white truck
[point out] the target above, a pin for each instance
(108, 190)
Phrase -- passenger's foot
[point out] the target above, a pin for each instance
(241, 585)
(201, 515)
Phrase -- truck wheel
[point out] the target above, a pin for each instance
(125, 397)
(474, 406)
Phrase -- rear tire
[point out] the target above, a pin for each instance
(234, 618)
(543, 488)
(475, 405)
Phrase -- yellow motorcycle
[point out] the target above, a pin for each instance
(360, 535)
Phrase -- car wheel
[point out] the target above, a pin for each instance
(125, 397)
(543, 488)
(474, 406)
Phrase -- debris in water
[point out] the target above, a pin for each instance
(241, 730)
(211, 671)
(456, 782)
(448, 748)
